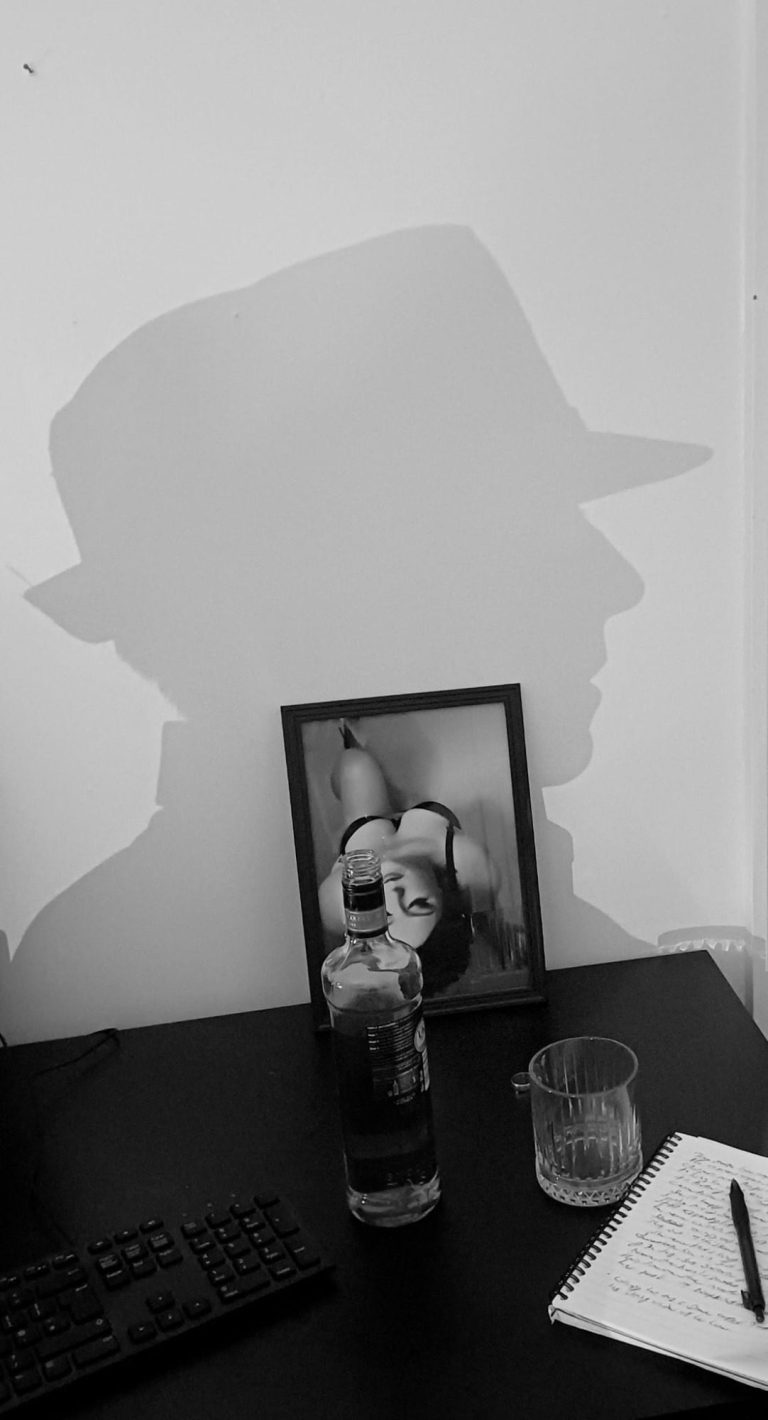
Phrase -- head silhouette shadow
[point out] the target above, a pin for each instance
(369, 446)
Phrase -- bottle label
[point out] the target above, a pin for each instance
(368, 923)
(397, 1052)
(386, 1114)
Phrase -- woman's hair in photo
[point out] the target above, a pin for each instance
(445, 954)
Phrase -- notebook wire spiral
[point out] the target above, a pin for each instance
(596, 1242)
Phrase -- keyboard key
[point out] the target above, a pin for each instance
(304, 1254)
(256, 1224)
(135, 1252)
(271, 1253)
(282, 1221)
(113, 1280)
(112, 1262)
(100, 1245)
(202, 1244)
(251, 1263)
(237, 1247)
(126, 1235)
(57, 1369)
(151, 1225)
(209, 1259)
(160, 1301)
(217, 1275)
(170, 1259)
(197, 1308)
(144, 1268)
(242, 1210)
(193, 1228)
(27, 1381)
(26, 1336)
(141, 1332)
(170, 1320)
(217, 1218)
(226, 1234)
(95, 1351)
(53, 1346)
(282, 1270)
(266, 1199)
(54, 1325)
(19, 1361)
(160, 1241)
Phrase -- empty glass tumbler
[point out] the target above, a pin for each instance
(586, 1127)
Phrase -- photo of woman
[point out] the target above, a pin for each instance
(431, 790)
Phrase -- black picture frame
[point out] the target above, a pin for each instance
(447, 755)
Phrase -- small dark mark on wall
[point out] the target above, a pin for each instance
(29, 68)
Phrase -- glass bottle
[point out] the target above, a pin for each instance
(373, 985)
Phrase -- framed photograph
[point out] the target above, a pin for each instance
(438, 784)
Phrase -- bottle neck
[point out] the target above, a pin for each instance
(365, 909)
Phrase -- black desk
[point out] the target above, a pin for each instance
(447, 1318)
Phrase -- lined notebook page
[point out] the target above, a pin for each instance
(666, 1271)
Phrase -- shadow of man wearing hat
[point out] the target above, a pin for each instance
(358, 476)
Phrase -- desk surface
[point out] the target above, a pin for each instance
(447, 1318)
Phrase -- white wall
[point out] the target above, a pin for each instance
(593, 156)
(756, 450)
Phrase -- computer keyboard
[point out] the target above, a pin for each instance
(129, 1292)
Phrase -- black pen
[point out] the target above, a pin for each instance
(752, 1296)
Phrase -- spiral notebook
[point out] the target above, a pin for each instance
(665, 1271)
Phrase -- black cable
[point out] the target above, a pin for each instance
(106, 1036)
(109, 1033)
